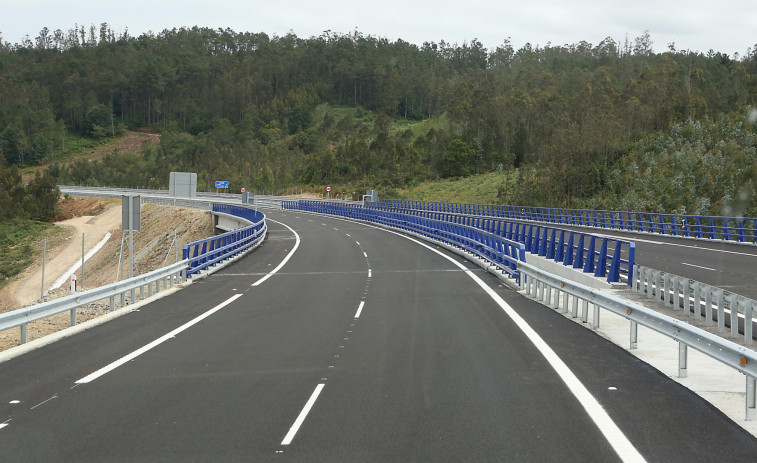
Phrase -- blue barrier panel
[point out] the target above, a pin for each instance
(458, 231)
(210, 251)
(724, 228)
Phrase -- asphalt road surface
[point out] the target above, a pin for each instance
(363, 346)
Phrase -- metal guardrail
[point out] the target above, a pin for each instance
(547, 288)
(21, 317)
(740, 229)
(209, 251)
(603, 257)
(500, 251)
(697, 299)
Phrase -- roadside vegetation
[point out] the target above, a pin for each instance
(17, 246)
(612, 125)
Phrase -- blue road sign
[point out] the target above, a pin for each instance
(220, 184)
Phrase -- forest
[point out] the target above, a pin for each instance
(612, 125)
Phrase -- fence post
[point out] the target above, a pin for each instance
(676, 296)
(748, 308)
(708, 305)
(751, 398)
(683, 370)
(734, 303)
(634, 335)
(697, 300)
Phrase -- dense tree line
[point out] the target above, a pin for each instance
(271, 112)
(35, 200)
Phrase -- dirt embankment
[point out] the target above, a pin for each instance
(95, 218)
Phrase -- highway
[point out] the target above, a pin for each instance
(364, 345)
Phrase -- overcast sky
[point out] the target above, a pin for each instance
(728, 26)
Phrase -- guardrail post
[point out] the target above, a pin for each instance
(541, 285)
(666, 290)
(748, 308)
(585, 312)
(683, 360)
(574, 312)
(73, 316)
(595, 320)
(676, 296)
(734, 306)
(658, 285)
(24, 335)
(697, 300)
(721, 310)
(634, 335)
(632, 276)
(549, 295)
(564, 302)
(112, 300)
(751, 398)
(686, 298)
(650, 286)
(708, 305)
(556, 300)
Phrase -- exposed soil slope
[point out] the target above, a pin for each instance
(95, 218)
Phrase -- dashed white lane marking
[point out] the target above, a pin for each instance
(359, 309)
(369, 273)
(699, 266)
(303, 414)
(286, 259)
(358, 243)
(44, 402)
(365, 254)
(108, 368)
(619, 442)
(2, 425)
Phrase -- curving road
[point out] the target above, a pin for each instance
(363, 346)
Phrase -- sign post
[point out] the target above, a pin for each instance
(328, 191)
(131, 221)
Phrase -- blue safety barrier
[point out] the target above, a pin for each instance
(742, 229)
(210, 251)
(602, 256)
(502, 252)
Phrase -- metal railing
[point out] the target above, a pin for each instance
(21, 317)
(207, 252)
(740, 229)
(548, 289)
(603, 257)
(697, 300)
(503, 253)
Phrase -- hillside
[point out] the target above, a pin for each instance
(151, 247)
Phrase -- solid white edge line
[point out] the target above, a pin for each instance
(359, 309)
(303, 414)
(286, 259)
(617, 439)
(108, 368)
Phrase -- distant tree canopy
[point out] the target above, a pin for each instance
(36, 200)
(270, 112)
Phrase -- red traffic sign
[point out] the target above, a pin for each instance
(328, 188)
(243, 190)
